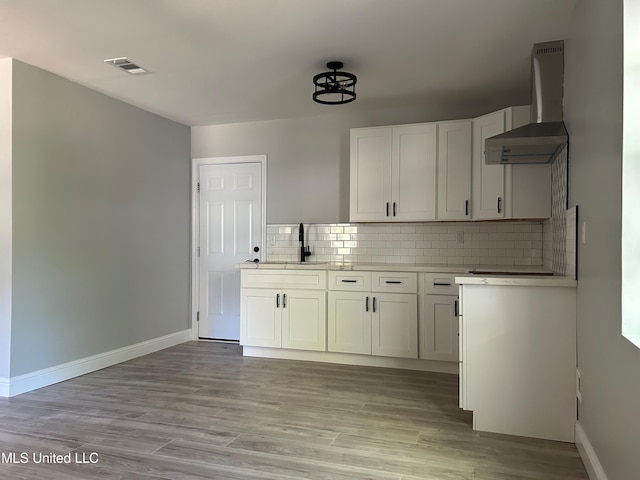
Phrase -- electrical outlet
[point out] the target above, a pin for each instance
(460, 237)
(579, 385)
(272, 241)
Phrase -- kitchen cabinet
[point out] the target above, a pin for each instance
(507, 191)
(454, 170)
(518, 364)
(260, 318)
(393, 173)
(373, 313)
(349, 322)
(276, 312)
(438, 324)
(394, 324)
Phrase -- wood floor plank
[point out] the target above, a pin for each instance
(268, 462)
(201, 410)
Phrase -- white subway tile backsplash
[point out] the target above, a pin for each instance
(510, 243)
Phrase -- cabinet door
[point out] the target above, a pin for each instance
(439, 328)
(304, 320)
(260, 317)
(414, 173)
(488, 180)
(454, 170)
(349, 322)
(370, 174)
(394, 320)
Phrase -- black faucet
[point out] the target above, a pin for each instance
(304, 251)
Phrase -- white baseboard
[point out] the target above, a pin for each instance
(41, 378)
(588, 455)
(4, 387)
(352, 359)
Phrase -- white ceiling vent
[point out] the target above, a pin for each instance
(123, 63)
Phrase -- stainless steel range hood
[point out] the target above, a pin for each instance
(542, 139)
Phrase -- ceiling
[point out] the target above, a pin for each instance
(227, 61)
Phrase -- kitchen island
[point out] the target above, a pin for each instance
(518, 354)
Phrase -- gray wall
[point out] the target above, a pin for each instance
(100, 222)
(5, 215)
(593, 113)
(308, 158)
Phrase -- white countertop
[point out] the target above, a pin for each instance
(379, 267)
(517, 280)
(491, 274)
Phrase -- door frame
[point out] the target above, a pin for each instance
(195, 221)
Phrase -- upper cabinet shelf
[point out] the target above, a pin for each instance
(436, 171)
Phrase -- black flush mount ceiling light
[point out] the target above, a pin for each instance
(334, 88)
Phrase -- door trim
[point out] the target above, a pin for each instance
(195, 221)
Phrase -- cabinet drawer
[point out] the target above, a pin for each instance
(439, 284)
(301, 279)
(394, 282)
(350, 281)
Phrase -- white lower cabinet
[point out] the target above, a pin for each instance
(518, 365)
(283, 317)
(304, 320)
(349, 318)
(438, 325)
(439, 328)
(364, 321)
(394, 325)
(260, 318)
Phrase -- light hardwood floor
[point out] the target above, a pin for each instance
(202, 411)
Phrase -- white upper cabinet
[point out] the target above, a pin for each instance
(507, 191)
(413, 172)
(488, 180)
(370, 175)
(454, 170)
(436, 171)
(393, 173)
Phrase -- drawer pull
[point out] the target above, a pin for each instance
(374, 304)
(441, 284)
(396, 282)
(348, 281)
(366, 306)
(278, 300)
(456, 311)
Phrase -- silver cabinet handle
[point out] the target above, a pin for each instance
(499, 204)
(374, 304)
(366, 305)
(284, 300)
(456, 312)
(278, 300)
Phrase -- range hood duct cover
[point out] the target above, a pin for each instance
(544, 138)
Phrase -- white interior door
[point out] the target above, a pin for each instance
(230, 221)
